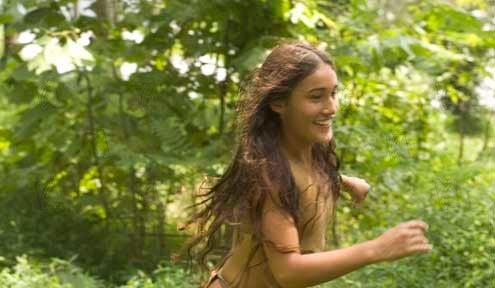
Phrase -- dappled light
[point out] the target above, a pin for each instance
(114, 115)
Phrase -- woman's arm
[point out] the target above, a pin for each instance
(357, 187)
(304, 270)
(301, 270)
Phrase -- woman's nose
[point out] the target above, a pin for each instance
(331, 106)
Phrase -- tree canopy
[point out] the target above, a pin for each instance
(111, 112)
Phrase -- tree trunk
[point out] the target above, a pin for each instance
(76, 10)
(2, 42)
(461, 147)
(486, 140)
(106, 9)
(3, 38)
(162, 216)
(94, 151)
(223, 87)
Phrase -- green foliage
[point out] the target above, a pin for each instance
(56, 274)
(168, 276)
(27, 272)
(100, 163)
(456, 202)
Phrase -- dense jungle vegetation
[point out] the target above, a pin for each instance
(112, 112)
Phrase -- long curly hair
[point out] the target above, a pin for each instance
(259, 169)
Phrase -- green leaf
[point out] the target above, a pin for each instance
(23, 92)
(63, 93)
(45, 16)
(31, 119)
(6, 18)
(21, 73)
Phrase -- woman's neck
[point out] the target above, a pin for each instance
(296, 151)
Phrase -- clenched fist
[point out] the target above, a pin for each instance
(357, 187)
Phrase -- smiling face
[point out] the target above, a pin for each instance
(307, 113)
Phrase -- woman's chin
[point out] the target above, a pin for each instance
(324, 138)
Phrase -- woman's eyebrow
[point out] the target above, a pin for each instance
(323, 88)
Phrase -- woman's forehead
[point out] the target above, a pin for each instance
(323, 77)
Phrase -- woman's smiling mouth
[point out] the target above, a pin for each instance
(324, 123)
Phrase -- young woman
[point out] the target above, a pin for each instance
(281, 188)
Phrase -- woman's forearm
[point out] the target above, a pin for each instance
(305, 270)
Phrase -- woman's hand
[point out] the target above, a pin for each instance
(403, 240)
(357, 187)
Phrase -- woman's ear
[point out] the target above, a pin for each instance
(278, 106)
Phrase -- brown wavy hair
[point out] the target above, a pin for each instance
(258, 168)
